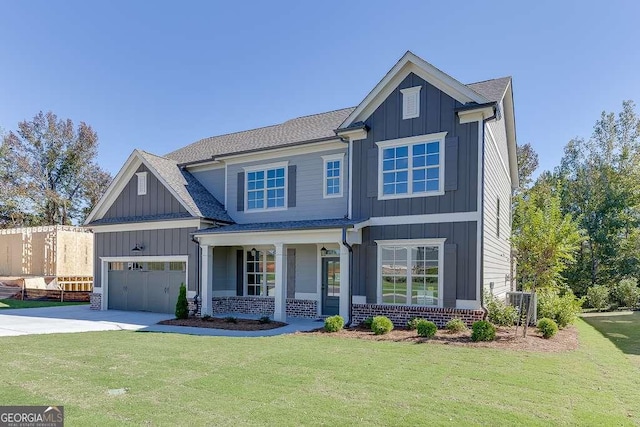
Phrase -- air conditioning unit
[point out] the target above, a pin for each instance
(520, 300)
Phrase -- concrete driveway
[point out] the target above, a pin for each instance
(73, 318)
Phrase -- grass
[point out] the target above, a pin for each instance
(15, 303)
(622, 328)
(315, 380)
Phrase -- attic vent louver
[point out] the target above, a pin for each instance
(411, 102)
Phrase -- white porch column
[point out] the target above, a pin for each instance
(344, 282)
(280, 312)
(206, 282)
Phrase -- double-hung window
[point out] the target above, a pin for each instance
(333, 167)
(261, 272)
(411, 167)
(410, 272)
(266, 187)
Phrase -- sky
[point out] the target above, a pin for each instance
(160, 75)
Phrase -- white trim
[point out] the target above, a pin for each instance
(409, 142)
(206, 166)
(350, 194)
(153, 225)
(470, 116)
(224, 293)
(264, 168)
(308, 296)
(407, 244)
(191, 294)
(226, 186)
(343, 302)
(142, 183)
(256, 238)
(480, 196)
(359, 299)
(410, 63)
(319, 276)
(353, 134)
(419, 219)
(325, 160)
(468, 304)
(406, 94)
(495, 144)
(268, 154)
(104, 270)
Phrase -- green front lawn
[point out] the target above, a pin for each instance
(15, 303)
(622, 328)
(176, 379)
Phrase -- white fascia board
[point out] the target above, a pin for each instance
(274, 153)
(254, 238)
(353, 134)
(151, 225)
(205, 166)
(476, 114)
(510, 125)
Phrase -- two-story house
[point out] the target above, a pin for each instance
(399, 206)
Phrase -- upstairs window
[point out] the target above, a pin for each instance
(266, 188)
(142, 183)
(333, 175)
(411, 167)
(411, 102)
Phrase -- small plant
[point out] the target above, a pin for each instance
(483, 331)
(500, 313)
(547, 327)
(333, 323)
(182, 306)
(265, 320)
(367, 322)
(626, 293)
(412, 324)
(598, 297)
(426, 328)
(562, 306)
(231, 319)
(455, 326)
(381, 325)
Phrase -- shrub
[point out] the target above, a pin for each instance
(547, 327)
(561, 308)
(182, 306)
(231, 319)
(413, 324)
(501, 314)
(598, 297)
(264, 320)
(367, 322)
(381, 325)
(483, 331)
(426, 328)
(626, 293)
(333, 323)
(455, 326)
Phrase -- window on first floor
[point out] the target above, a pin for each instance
(410, 274)
(261, 272)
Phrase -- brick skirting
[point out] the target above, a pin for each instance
(54, 294)
(264, 305)
(96, 301)
(401, 314)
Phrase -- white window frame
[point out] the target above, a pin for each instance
(407, 244)
(406, 96)
(142, 183)
(421, 139)
(263, 285)
(325, 160)
(265, 168)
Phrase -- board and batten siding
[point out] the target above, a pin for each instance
(309, 200)
(168, 242)
(213, 181)
(157, 201)
(497, 184)
(437, 114)
(461, 261)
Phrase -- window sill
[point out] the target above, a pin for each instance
(332, 196)
(265, 210)
(410, 196)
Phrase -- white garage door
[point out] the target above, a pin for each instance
(145, 286)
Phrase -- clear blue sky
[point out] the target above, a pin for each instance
(159, 75)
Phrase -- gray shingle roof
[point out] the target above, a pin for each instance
(291, 132)
(144, 218)
(280, 226)
(188, 188)
(493, 89)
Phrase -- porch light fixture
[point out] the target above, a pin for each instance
(137, 248)
(253, 252)
(323, 251)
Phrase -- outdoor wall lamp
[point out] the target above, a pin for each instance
(137, 248)
(253, 252)
(323, 251)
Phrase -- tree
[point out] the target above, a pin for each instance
(53, 177)
(527, 164)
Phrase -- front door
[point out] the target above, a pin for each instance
(330, 286)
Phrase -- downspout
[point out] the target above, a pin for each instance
(198, 284)
(350, 284)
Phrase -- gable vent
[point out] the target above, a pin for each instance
(411, 102)
(142, 183)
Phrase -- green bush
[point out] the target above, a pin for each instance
(426, 328)
(483, 331)
(547, 327)
(231, 319)
(501, 314)
(455, 326)
(598, 297)
(367, 322)
(333, 323)
(413, 324)
(265, 320)
(182, 306)
(563, 308)
(381, 325)
(626, 293)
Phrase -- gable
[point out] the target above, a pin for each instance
(157, 201)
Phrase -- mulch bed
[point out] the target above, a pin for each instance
(565, 340)
(223, 323)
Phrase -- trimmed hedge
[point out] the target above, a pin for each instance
(547, 327)
(426, 328)
(381, 325)
(333, 323)
(483, 331)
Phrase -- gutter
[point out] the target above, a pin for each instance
(350, 284)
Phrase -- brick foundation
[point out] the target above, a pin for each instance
(96, 301)
(53, 294)
(194, 307)
(264, 306)
(401, 314)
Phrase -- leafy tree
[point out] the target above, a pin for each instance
(50, 175)
(527, 164)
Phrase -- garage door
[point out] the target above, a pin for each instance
(145, 286)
